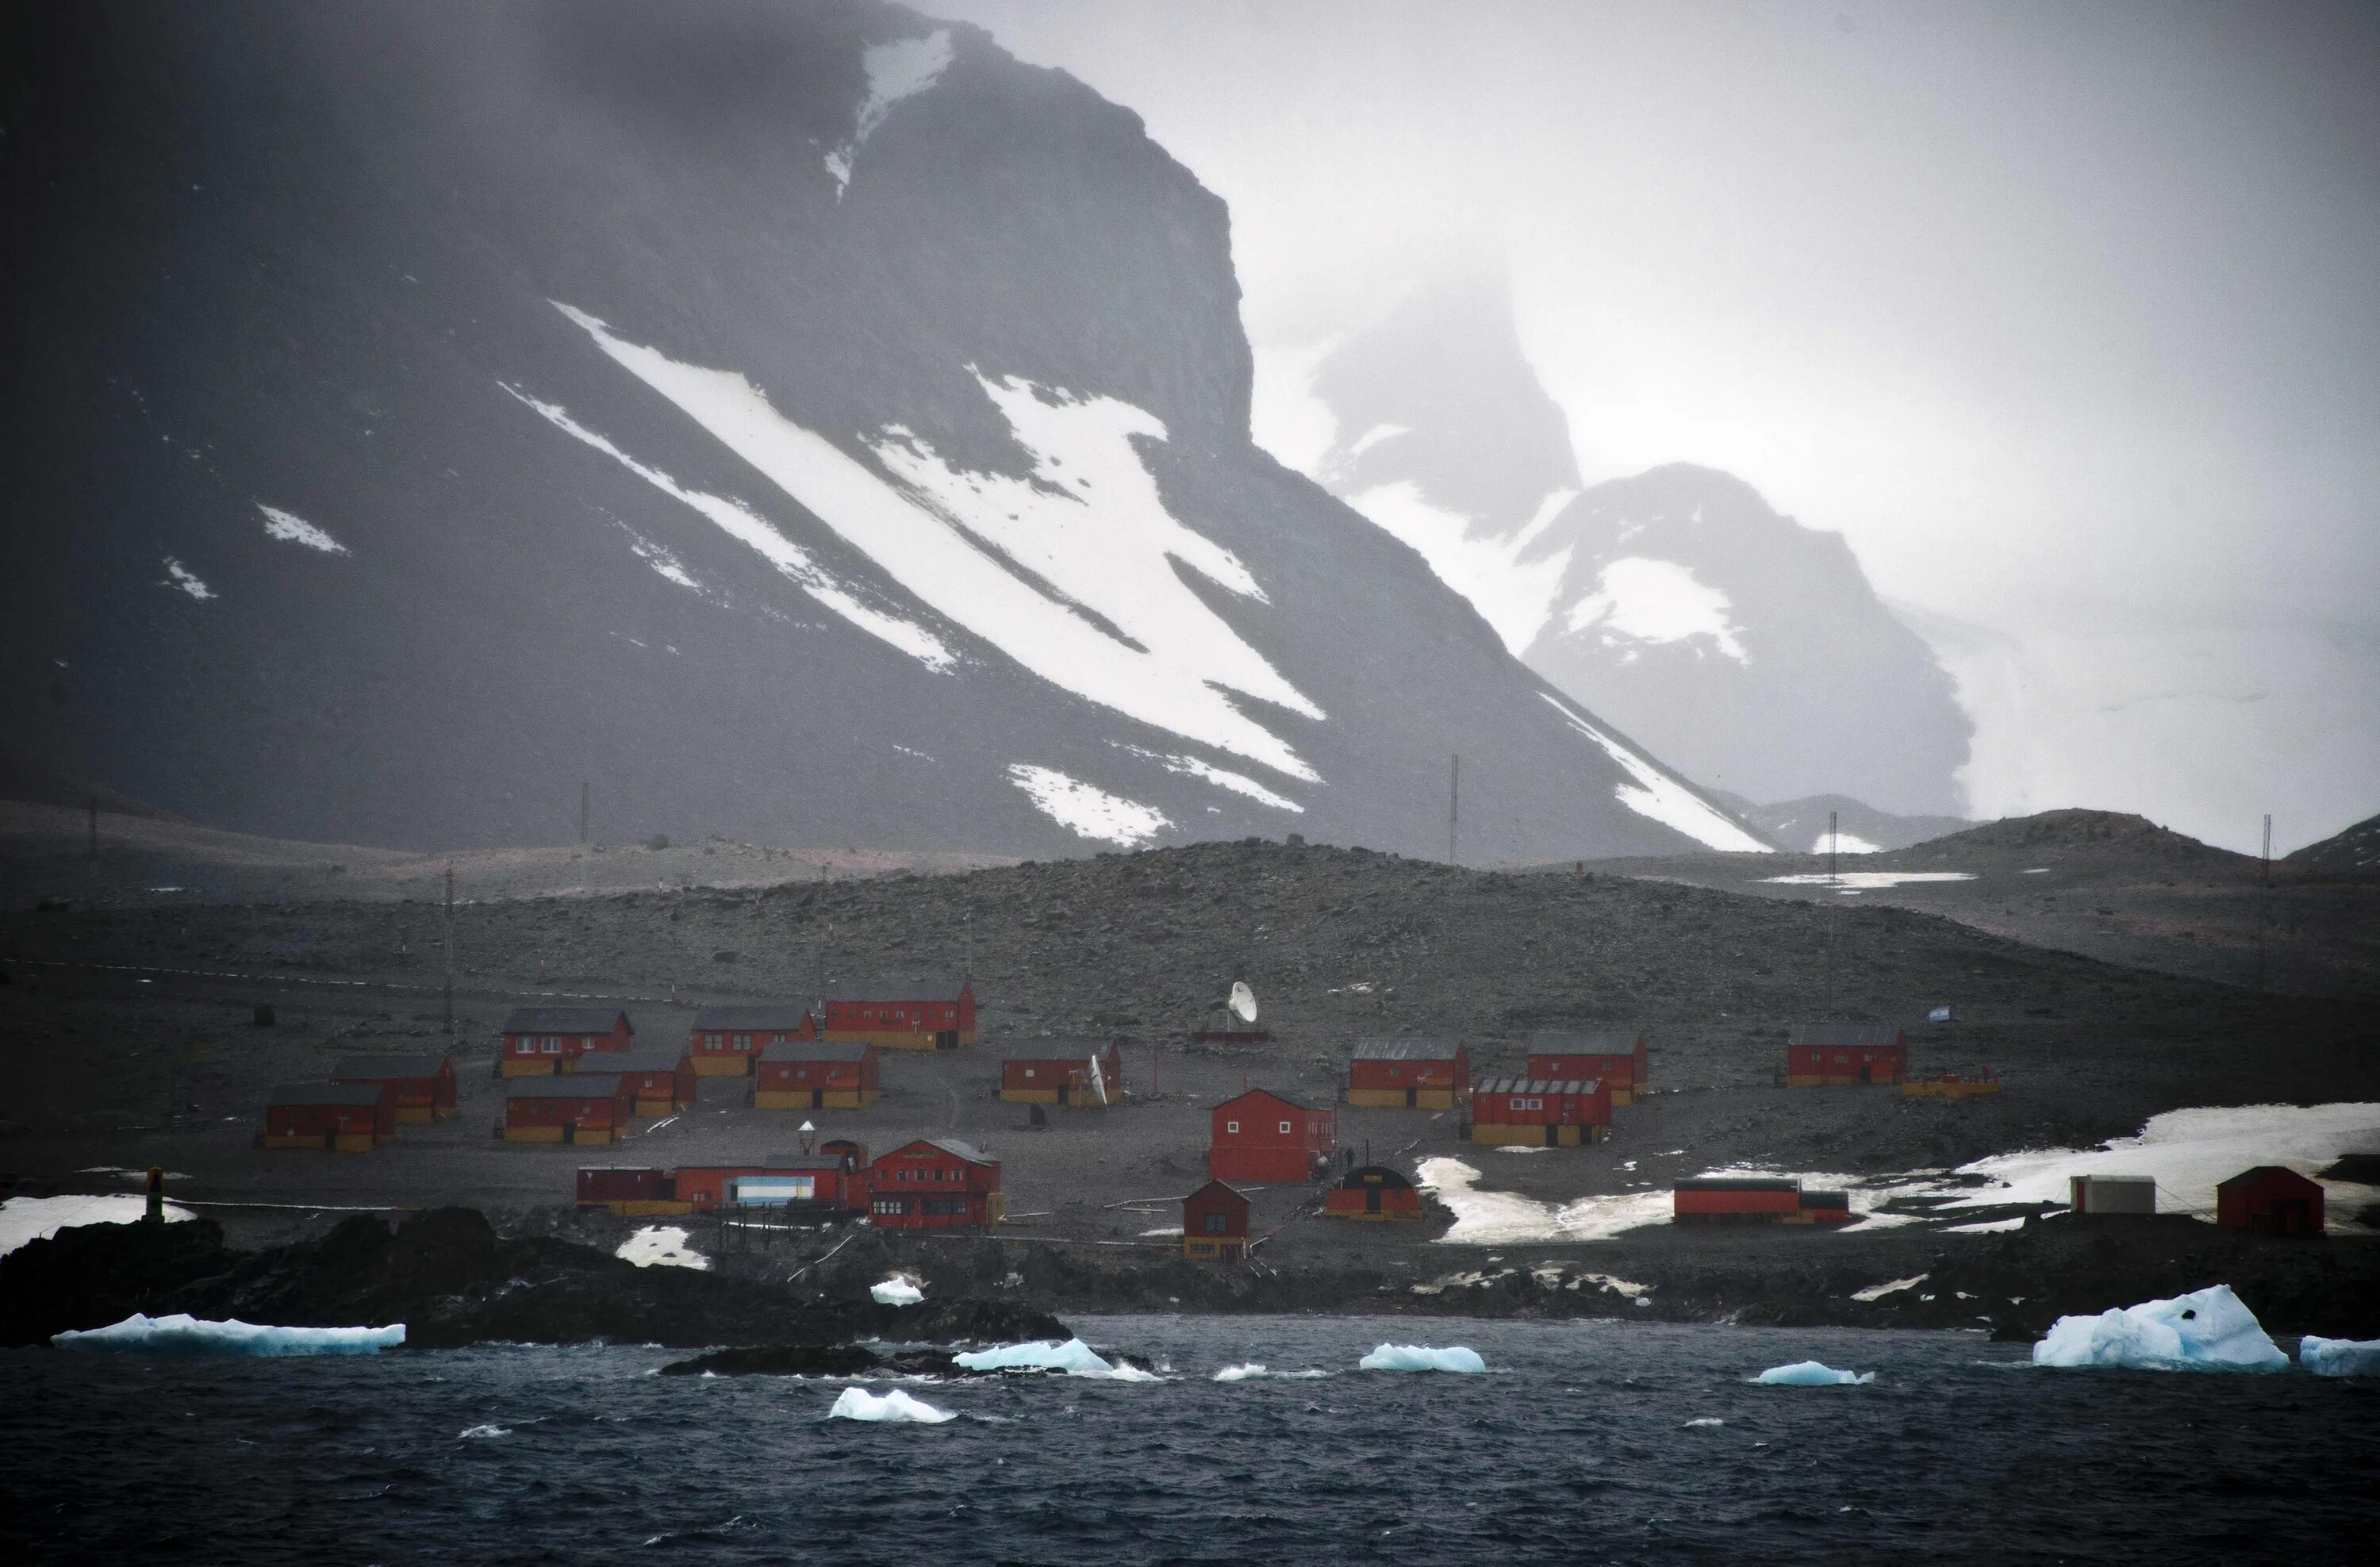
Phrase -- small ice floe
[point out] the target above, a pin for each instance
(483, 1433)
(1423, 1357)
(183, 1334)
(897, 1290)
(2340, 1358)
(1704, 1420)
(1074, 1357)
(859, 1404)
(1255, 1370)
(660, 1246)
(182, 577)
(290, 527)
(2208, 1329)
(1878, 1291)
(1812, 1374)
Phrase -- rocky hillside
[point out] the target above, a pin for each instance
(803, 423)
(2354, 853)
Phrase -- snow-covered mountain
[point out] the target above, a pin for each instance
(802, 423)
(1747, 649)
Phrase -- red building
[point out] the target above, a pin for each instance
(902, 1014)
(425, 1083)
(1755, 1199)
(1829, 1055)
(654, 1079)
(1539, 1112)
(583, 1108)
(1410, 1074)
(1215, 1225)
(1373, 1192)
(1619, 1060)
(629, 1191)
(2270, 1200)
(1262, 1136)
(537, 1039)
(934, 1183)
(726, 1039)
(798, 1076)
(347, 1117)
(1068, 1072)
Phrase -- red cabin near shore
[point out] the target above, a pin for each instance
(815, 1078)
(2270, 1200)
(425, 1083)
(1215, 1225)
(348, 1117)
(1262, 1136)
(934, 1183)
(537, 1039)
(1830, 1055)
(1618, 1059)
(902, 1014)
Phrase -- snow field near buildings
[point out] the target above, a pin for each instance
(183, 1334)
(1863, 881)
(37, 1218)
(1495, 1218)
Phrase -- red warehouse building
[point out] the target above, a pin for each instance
(537, 1039)
(630, 1191)
(1373, 1192)
(584, 1108)
(1215, 1225)
(1829, 1055)
(934, 1183)
(902, 1014)
(2270, 1200)
(837, 1175)
(655, 1080)
(793, 1076)
(1068, 1072)
(1539, 1112)
(1262, 1136)
(425, 1083)
(727, 1040)
(347, 1117)
(1413, 1073)
(1755, 1199)
(1617, 1060)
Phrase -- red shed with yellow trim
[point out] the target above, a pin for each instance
(537, 1039)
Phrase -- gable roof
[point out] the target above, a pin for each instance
(1407, 1049)
(1594, 1042)
(2257, 1172)
(1536, 1084)
(886, 989)
(325, 1093)
(766, 1017)
(564, 1020)
(1844, 1035)
(373, 1068)
(1225, 1189)
(967, 1151)
(1281, 1100)
(642, 1058)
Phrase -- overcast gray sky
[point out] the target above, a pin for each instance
(2065, 315)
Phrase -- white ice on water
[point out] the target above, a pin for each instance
(897, 1290)
(182, 577)
(1423, 1357)
(1086, 810)
(859, 1404)
(1812, 1374)
(37, 1218)
(2208, 1329)
(1664, 800)
(1255, 1370)
(185, 1334)
(1638, 599)
(902, 69)
(290, 527)
(660, 1246)
(2340, 1358)
(1074, 1357)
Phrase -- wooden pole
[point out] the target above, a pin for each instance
(1453, 810)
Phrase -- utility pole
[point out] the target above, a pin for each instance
(2264, 902)
(1834, 838)
(450, 949)
(2267, 873)
(1454, 809)
(582, 813)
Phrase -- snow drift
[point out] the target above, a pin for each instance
(2209, 1329)
(1421, 1357)
(1812, 1374)
(183, 1334)
(859, 1404)
(2340, 1358)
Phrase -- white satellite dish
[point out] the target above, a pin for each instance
(1244, 1001)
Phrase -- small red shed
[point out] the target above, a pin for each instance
(655, 1080)
(726, 1039)
(539, 1038)
(1261, 1136)
(347, 1117)
(1373, 1192)
(806, 1076)
(934, 1183)
(1616, 1058)
(2270, 1199)
(425, 1083)
(629, 1191)
(1067, 1072)
(902, 1014)
(1829, 1055)
(1409, 1073)
(1539, 1112)
(1736, 1199)
(584, 1108)
(1215, 1225)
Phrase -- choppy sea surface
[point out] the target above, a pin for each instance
(1585, 1442)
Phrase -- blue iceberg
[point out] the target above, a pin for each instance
(182, 1334)
(1421, 1357)
(1812, 1374)
(2209, 1329)
(2340, 1358)
(859, 1404)
(1075, 1357)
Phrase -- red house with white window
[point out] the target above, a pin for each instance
(1618, 1059)
(934, 1183)
(1539, 1112)
(1828, 1055)
(726, 1039)
(537, 1039)
(655, 1080)
(902, 1014)
(1262, 1136)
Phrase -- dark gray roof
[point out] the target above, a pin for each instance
(1738, 1184)
(1599, 1041)
(800, 1163)
(2258, 1172)
(1077, 1049)
(1826, 1200)
(373, 1068)
(766, 1018)
(644, 1058)
(1376, 1175)
(1406, 1050)
(886, 989)
(808, 1050)
(951, 1144)
(1534, 1085)
(570, 1086)
(325, 1093)
(1844, 1035)
(562, 1020)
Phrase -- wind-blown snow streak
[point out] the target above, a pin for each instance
(1514, 596)
(902, 69)
(1222, 778)
(1086, 811)
(1661, 797)
(1106, 545)
(296, 530)
(746, 527)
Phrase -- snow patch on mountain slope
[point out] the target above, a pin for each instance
(746, 527)
(1661, 797)
(1640, 599)
(1516, 596)
(182, 577)
(1103, 544)
(902, 69)
(296, 530)
(1086, 810)
(1238, 782)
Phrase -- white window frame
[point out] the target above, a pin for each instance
(1231, 1126)
(1284, 1129)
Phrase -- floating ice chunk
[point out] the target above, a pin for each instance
(1812, 1374)
(2340, 1358)
(182, 577)
(1422, 1357)
(660, 1246)
(483, 1433)
(1075, 1357)
(1255, 1370)
(1705, 1420)
(859, 1404)
(897, 1290)
(183, 1334)
(2209, 1329)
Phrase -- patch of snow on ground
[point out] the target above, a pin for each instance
(1238, 782)
(183, 1334)
(296, 530)
(1986, 1227)
(660, 1246)
(37, 1218)
(859, 1404)
(1865, 880)
(897, 1290)
(2209, 1329)
(1516, 597)
(1641, 600)
(1500, 1218)
(1086, 811)
(182, 577)
(1164, 1230)
(902, 69)
(1662, 797)
(1618, 1286)
(746, 527)
(1107, 547)
(1374, 436)
(1878, 1291)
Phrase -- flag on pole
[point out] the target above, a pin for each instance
(1940, 1015)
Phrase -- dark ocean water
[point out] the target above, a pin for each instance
(1576, 1447)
